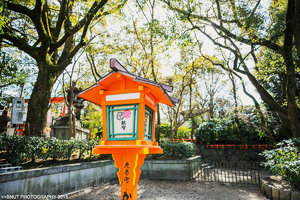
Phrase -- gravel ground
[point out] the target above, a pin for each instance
(170, 190)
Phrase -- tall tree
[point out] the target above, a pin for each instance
(51, 32)
(240, 28)
(193, 79)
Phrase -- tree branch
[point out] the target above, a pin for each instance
(19, 8)
(255, 39)
(20, 43)
(60, 20)
(82, 23)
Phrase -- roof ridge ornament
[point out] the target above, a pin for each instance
(116, 66)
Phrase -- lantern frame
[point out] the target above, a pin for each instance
(110, 120)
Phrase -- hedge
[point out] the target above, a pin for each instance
(227, 131)
(17, 149)
(175, 150)
(284, 160)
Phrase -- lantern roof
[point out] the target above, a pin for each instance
(158, 90)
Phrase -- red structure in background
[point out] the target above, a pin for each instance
(185, 140)
(239, 146)
(59, 100)
(56, 100)
(20, 128)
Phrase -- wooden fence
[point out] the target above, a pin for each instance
(239, 146)
(185, 140)
(229, 146)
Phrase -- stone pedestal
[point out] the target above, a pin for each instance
(61, 129)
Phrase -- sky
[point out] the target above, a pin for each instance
(169, 62)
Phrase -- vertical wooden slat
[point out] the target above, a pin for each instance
(248, 171)
(203, 173)
(226, 172)
(219, 172)
(239, 174)
(232, 170)
(200, 170)
(209, 172)
(235, 174)
(215, 171)
(243, 172)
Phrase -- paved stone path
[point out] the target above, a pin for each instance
(173, 190)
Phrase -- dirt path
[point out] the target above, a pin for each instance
(171, 190)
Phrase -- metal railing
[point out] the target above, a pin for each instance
(226, 172)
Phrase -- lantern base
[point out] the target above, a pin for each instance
(128, 159)
(143, 147)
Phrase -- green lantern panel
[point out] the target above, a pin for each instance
(148, 124)
(122, 122)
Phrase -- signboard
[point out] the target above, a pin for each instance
(148, 123)
(17, 111)
(122, 122)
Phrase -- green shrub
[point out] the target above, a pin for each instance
(176, 150)
(15, 148)
(284, 160)
(165, 130)
(183, 131)
(33, 147)
(18, 148)
(227, 130)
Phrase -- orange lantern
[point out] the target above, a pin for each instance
(128, 110)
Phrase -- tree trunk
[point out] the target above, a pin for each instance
(236, 118)
(38, 103)
(173, 132)
(73, 125)
(193, 128)
(261, 115)
(296, 25)
(211, 107)
(291, 71)
(268, 99)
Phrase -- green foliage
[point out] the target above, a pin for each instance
(230, 130)
(92, 119)
(3, 16)
(284, 160)
(10, 71)
(176, 150)
(165, 130)
(19, 148)
(15, 148)
(183, 131)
